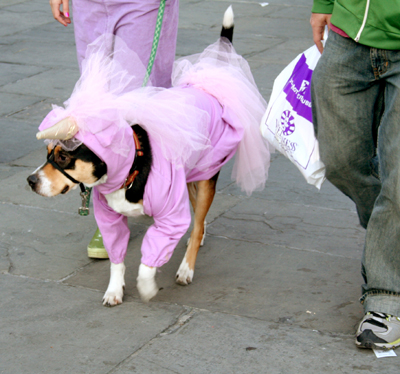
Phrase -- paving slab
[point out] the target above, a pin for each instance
(290, 12)
(209, 14)
(199, 31)
(51, 328)
(46, 244)
(6, 3)
(285, 183)
(281, 53)
(267, 24)
(11, 103)
(12, 22)
(221, 343)
(54, 83)
(290, 225)
(50, 33)
(17, 138)
(6, 171)
(13, 72)
(32, 160)
(265, 75)
(32, 7)
(31, 52)
(268, 283)
(37, 112)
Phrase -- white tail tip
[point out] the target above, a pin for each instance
(228, 18)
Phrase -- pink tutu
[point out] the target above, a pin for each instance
(108, 98)
(224, 74)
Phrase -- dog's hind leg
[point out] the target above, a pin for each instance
(201, 196)
(192, 189)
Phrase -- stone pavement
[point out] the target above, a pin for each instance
(277, 282)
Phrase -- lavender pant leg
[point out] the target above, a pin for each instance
(134, 22)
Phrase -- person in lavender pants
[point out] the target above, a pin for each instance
(134, 22)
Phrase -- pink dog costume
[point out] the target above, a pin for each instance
(212, 112)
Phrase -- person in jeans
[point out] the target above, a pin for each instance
(356, 114)
(133, 21)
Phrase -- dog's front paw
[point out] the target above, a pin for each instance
(184, 275)
(146, 282)
(112, 298)
(115, 290)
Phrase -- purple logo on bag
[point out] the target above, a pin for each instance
(287, 123)
(298, 89)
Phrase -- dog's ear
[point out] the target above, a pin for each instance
(63, 130)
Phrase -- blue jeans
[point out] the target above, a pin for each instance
(356, 114)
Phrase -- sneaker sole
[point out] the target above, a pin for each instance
(372, 345)
(97, 253)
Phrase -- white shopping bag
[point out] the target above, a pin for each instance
(287, 123)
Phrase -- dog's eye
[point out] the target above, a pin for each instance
(62, 159)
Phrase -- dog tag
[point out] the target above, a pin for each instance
(84, 209)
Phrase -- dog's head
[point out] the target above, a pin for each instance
(81, 164)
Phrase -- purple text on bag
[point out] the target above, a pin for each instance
(297, 89)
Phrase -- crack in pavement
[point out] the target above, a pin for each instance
(8, 259)
(278, 245)
(73, 214)
(180, 321)
(243, 217)
(36, 207)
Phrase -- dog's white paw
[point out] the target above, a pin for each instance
(115, 290)
(146, 282)
(184, 275)
(112, 298)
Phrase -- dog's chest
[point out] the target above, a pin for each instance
(117, 201)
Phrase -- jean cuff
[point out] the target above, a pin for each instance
(381, 301)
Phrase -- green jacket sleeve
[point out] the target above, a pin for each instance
(323, 6)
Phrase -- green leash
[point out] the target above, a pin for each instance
(156, 38)
(84, 209)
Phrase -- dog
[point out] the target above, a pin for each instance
(151, 187)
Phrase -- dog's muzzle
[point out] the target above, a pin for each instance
(33, 181)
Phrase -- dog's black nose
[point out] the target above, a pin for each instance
(32, 180)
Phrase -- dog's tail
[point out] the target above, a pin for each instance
(227, 24)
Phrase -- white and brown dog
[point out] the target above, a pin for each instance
(149, 183)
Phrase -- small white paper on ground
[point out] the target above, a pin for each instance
(263, 4)
(380, 353)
